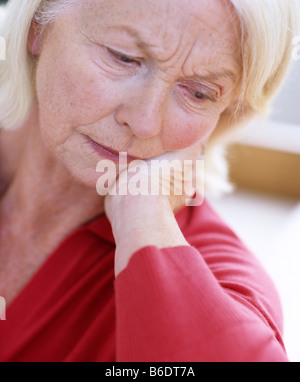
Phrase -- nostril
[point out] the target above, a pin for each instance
(143, 124)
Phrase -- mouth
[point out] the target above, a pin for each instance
(109, 153)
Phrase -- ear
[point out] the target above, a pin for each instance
(34, 39)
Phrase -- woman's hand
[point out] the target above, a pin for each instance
(155, 190)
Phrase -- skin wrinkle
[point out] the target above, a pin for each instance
(81, 90)
(180, 40)
(160, 75)
(159, 57)
(146, 48)
(186, 73)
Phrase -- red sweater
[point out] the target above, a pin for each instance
(208, 302)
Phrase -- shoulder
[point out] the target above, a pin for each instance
(203, 220)
(236, 268)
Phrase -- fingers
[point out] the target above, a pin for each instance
(177, 175)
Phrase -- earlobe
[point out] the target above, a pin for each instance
(34, 39)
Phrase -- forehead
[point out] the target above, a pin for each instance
(214, 15)
(167, 27)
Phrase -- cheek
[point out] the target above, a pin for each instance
(70, 96)
(186, 132)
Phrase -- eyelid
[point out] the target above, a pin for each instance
(202, 87)
(121, 54)
(192, 86)
(205, 96)
(210, 94)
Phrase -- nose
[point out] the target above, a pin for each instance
(143, 109)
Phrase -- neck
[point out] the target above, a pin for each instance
(39, 191)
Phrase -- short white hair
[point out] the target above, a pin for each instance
(267, 28)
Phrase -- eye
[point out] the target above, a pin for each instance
(122, 57)
(199, 92)
(126, 59)
(200, 95)
(206, 95)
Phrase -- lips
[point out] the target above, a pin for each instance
(109, 153)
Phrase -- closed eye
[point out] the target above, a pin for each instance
(122, 57)
(200, 95)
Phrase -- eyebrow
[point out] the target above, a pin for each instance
(210, 75)
(214, 75)
(134, 34)
(129, 30)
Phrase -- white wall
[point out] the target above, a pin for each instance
(286, 105)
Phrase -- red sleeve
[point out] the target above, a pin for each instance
(208, 302)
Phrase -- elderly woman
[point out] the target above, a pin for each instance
(123, 276)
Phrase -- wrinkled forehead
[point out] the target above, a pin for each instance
(163, 17)
(164, 26)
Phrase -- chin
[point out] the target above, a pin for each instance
(87, 178)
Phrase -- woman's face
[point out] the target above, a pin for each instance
(136, 76)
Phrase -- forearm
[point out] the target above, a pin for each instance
(143, 221)
(170, 307)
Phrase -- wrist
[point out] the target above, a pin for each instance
(131, 214)
(140, 221)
